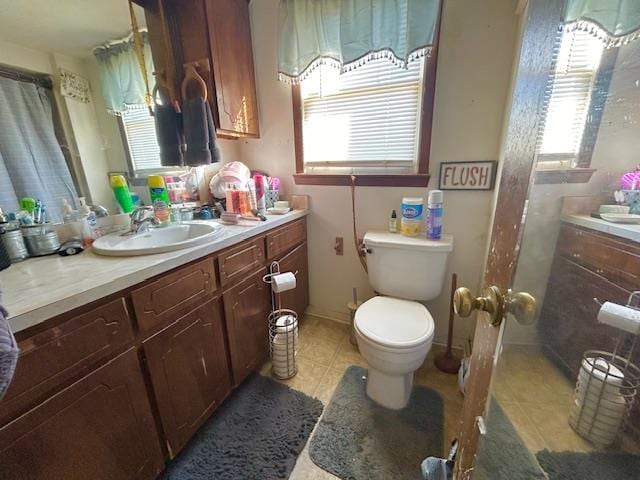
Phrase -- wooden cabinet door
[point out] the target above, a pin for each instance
(55, 357)
(232, 58)
(246, 308)
(101, 427)
(189, 371)
(298, 298)
(236, 262)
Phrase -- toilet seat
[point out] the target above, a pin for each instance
(394, 323)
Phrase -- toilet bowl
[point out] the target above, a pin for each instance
(394, 337)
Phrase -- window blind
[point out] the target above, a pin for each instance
(140, 133)
(367, 117)
(568, 98)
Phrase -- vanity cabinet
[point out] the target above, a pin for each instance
(296, 262)
(246, 307)
(215, 37)
(189, 371)
(99, 428)
(587, 265)
(116, 387)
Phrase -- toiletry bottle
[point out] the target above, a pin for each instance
(159, 199)
(435, 211)
(90, 230)
(261, 201)
(121, 192)
(393, 222)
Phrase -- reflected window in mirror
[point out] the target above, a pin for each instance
(574, 102)
(138, 131)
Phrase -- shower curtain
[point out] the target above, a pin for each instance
(31, 161)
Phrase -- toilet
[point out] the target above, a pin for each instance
(393, 330)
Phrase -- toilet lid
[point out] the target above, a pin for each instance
(394, 322)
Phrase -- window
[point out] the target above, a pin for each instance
(570, 101)
(369, 121)
(139, 134)
(368, 118)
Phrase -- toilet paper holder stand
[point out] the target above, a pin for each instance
(607, 386)
(630, 301)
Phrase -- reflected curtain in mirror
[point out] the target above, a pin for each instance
(121, 77)
(350, 33)
(31, 161)
(616, 22)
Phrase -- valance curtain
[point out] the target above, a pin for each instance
(31, 161)
(121, 76)
(615, 22)
(348, 33)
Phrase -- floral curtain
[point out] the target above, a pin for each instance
(349, 33)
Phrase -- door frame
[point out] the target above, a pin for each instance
(538, 43)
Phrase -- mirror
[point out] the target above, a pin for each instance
(74, 105)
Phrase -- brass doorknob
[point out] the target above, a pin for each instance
(491, 301)
(521, 305)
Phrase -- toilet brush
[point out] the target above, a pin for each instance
(447, 361)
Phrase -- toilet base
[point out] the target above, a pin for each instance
(390, 391)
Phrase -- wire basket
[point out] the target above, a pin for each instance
(605, 391)
(283, 333)
(283, 342)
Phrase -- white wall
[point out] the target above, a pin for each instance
(474, 69)
(615, 153)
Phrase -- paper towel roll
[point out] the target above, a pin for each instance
(283, 282)
(619, 316)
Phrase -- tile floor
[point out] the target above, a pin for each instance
(538, 398)
(323, 356)
(534, 394)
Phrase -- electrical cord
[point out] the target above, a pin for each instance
(359, 248)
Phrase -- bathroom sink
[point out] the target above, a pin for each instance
(158, 240)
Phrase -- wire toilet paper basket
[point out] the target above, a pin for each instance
(606, 389)
(283, 331)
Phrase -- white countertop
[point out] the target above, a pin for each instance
(41, 288)
(624, 230)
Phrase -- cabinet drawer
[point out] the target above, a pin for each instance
(189, 371)
(64, 352)
(99, 428)
(284, 238)
(610, 257)
(237, 262)
(175, 292)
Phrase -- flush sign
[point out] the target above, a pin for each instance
(467, 175)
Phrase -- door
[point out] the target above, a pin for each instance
(101, 427)
(532, 407)
(189, 371)
(246, 308)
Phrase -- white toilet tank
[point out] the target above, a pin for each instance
(407, 267)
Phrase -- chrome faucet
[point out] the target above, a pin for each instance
(141, 221)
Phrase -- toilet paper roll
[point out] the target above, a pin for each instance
(619, 316)
(283, 282)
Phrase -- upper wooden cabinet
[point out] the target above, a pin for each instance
(217, 35)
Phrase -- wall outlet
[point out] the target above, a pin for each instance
(339, 246)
